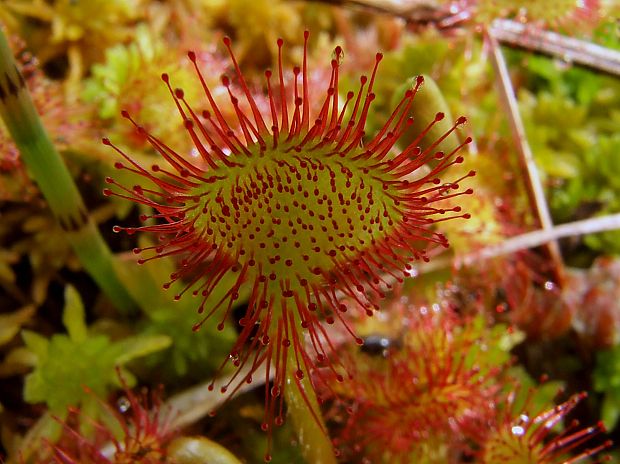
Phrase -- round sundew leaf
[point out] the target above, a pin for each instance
(296, 214)
(296, 207)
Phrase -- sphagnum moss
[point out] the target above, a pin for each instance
(302, 208)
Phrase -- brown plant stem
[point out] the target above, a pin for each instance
(195, 403)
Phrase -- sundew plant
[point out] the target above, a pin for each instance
(309, 232)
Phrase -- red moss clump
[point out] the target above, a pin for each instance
(428, 393)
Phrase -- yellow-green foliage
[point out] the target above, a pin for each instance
(72, 369)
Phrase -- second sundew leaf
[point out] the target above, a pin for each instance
(430, 101)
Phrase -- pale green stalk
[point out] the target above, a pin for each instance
(47, 168)
(305, 413)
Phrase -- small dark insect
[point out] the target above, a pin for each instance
(379, 345)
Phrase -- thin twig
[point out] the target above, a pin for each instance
(534, 185)
(567, 48)
(523, 242)
(540, 237)
(197, 402)
(409, 10)
(413, 12)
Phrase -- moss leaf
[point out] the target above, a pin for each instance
(73, 316)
